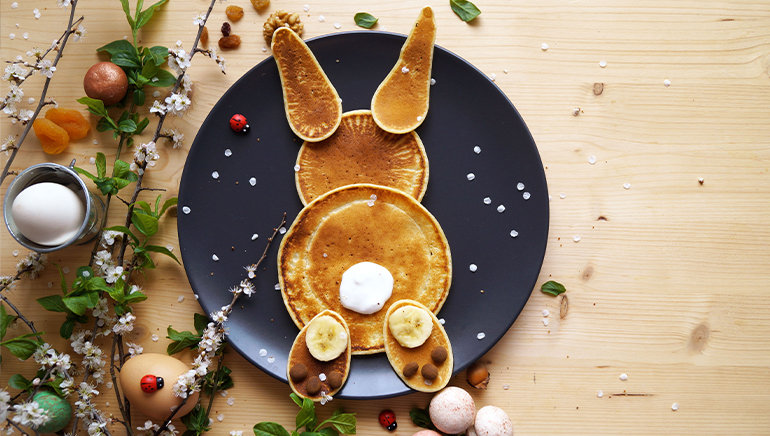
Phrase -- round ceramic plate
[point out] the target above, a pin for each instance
(487, 189)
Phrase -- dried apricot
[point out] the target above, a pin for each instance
(53, 138)
(204, 35)
(70, 120)
(234, 13)
(231, 41)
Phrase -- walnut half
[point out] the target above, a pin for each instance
(282, 19)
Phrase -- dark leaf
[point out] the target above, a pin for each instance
(146, 224)
(126, 59)
(159, 54)
(150, 67)
(121, 168)
(181, 341)
(138, 100)
(365, 20)
(553, 288)
(168, 203)
(196, 420)
(345, 423)
(421, 418)
(116, 46)
(464, 9)
(127, 126)
(165, 79)
(17, 381)
(53, 303)
(306, 415)
(144, 17)
(95, 106)
(140, 126)
(201, 322)
(162, 250)
(67, 327)
(269, 429)
(105, 124)
(224, 381)
(85, 272)
(21, 348)
(5, 321)
(105, 186)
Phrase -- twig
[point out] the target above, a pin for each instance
(16, 277)
(116, 386)
(17, 427)
(41, 102)
(18, 314)
(215, 384)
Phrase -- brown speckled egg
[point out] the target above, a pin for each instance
(157, 404)
(107, 82)
(452, 410)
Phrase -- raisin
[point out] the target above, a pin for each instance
(53, 139)
(234, 13)
(226, 29)
(260, 4)
(204, 35)
(70, 120)
(231, 41)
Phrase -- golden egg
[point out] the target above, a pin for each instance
(156, 404)
(107, 82)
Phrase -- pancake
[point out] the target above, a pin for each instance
(361, 152)
(399, 356)
(301, 354)
(313, 107)
(400, 103)
(359, 223)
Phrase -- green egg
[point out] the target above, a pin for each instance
(59, 411)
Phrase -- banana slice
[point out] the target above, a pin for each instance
(421, 368)
(312, 378)
(326, 338)
(410, 325)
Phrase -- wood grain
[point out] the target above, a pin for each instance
(668, 281)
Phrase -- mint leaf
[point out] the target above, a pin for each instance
(269, 429)
(306, 416)
(144, 16)
(95, 106)
(421, 418)
(365, 20)
(181, 340)
(116, 46)
(464, 9)
(345, 423)
(553, 288)
(146, 224)
(164, 79)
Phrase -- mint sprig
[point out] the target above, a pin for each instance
(553, 288)
(339, 422)
(464, 9)
(365, 20)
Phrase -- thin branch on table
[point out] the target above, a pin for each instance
(21, 316)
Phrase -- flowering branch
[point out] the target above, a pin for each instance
(46, 67)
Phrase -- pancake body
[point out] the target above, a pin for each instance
(347, 226)
(399, 356)
(400, 103)
(312, 105)
(301, 354)
(361, 152)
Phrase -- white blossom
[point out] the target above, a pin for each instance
(251, 270)
(218, 316)
(134, 349)
(46, 68)
(15, 94)
(325, 398)
(177, 104)
(186, 384)
(5, 399)
(125, 324)
(67, 387)
(96, 428)
(178, 58)
(29, 414)
(145, 156)
(101, 309)
(34, 261)
(14, 72)
(177, 138)
(109, 237)
(200, 19)
(158, 108)
(8, 145)
(80, 34)
(113, 274)
(25, 115)
(187, 84)
(247, 287)
(63, 3)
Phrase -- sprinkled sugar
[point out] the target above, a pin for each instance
(337, 25)
(154, 338)
(544, 46)
(220, 417)
(576, 238)
(481, 336)
(404, 70)
(501, 208)
(15, 253)
(592, 159)
(66, 270)
(230, 401)
(441, 321)
(228, 153)
(282, 230)
(602, 64)
(296, 167)
(514, 233)
(477, 149)
(546, 312)
(277, 286)
(493, 76)
(253, 181)
(264, 48)
(321, 18)
(600, 394)
(419, 118)
(520, 186)
(254, 237)
(545, 322)
(322, 377)
(215, 175)
(432, 81)
(180, 299)
(214, 257)
(526, 195)
(666, 83)
(270, 359)
(306, 8)
(624, 377)
(471, 176)
(506, 387)
(14, 5)
(263, 352)
(563, 195)
(675, 407)
(427, 382)
(473, 267)
(487, 200)
(92, 160)
(627, 185)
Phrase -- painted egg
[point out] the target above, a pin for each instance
(156, 404)
(59, 411)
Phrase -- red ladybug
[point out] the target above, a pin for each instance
(388, 419)
(150, 383)
(238, 123)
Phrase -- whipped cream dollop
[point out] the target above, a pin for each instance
(365, 287)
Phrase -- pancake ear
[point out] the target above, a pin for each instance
(400, 103)
(313, 106)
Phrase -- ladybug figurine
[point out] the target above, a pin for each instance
(388, 419)
(239, 124)
(150, 383)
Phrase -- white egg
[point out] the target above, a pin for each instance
(48, 213)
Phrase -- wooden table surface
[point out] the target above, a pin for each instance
(668, 282)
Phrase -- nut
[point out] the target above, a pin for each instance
(260, 4)
(429, 371)
(335, 379)
(439, 354)
(410, 369)
(478, 375)
(234, 13)
(298, 372)
(281, 18)
(313, 385)
(231, 41)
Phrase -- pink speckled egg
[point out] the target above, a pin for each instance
(426, 433)
(493, 421)
(452, 410)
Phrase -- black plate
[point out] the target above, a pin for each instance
(466, 110)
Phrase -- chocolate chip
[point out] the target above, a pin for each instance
(429, 371)
(439, 355)
(410, 369)
(335, 380)
(298, 372)
(313, 385)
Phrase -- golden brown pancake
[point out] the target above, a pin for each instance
(358, 223)
(399, 356)
(301, 354)
(361, 152)
(312, 105)
(400, 103)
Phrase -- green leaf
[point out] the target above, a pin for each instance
(145, 206)
(5, 320)
(159, 54)
(421, 418)
(127, 126)
(150, 68)
(128, 13)
(116, 46)
(170, 202)
(124, 230)
(201, 322)
(17, 381)
(464, 9)
(101, 164)
(224, 381)
(105, 186)
(63, 280)
(85, 272)
(138, 100)
(345, 423)
(181, 341)
(140, 126)
(269, 429)
(67, 328)
(126, 59)
(365, 20)
(553, 288)
(95, 106)
(294, 397)
(85, 173)
(165, 79)
(144, 16)
(105, 124)
(196, 420)
(78, 304)
(121, 183)
(146, 224)
(53, 303)
(328, 431)
(22, 348)
(162, 250)
(306, 415)
(121, 168)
